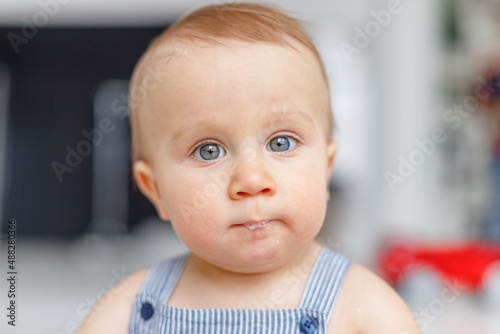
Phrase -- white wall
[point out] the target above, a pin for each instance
(147, 12)
(384, 98)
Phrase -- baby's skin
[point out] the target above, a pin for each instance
(237, 155)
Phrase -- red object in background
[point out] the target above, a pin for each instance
(466, 263)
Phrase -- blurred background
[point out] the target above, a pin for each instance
(415, 87)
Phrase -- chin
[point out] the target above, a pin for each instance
(259, 258)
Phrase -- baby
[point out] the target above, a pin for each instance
(231, 135)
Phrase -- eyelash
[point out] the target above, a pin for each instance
(203, 143)
(285, 135)
(208, 141)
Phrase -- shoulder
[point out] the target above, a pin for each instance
(111, 314)
(367, 304)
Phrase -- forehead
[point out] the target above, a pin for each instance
(207, 82)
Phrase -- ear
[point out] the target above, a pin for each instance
(145, 178)
(331, 151)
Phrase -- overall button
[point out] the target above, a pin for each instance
(308, 324)
(147, 311)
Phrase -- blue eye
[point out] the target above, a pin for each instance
(281, 144)
(209, 152)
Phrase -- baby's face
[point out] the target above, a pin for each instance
(239, 156)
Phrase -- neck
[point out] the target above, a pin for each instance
(301, 265)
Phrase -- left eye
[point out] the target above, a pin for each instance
(281, 144)
(209, 152)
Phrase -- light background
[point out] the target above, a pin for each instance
(389, 95)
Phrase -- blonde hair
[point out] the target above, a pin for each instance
(211, 24)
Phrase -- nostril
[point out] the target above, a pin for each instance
(264, 191)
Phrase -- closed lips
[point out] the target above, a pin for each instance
(252, 225)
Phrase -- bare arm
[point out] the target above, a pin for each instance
(111, 314)
(382, 310)
(368, 305)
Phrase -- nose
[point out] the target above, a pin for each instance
(251, 179)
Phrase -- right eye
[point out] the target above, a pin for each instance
(209, 152)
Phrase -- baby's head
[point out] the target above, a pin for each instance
(231, 126)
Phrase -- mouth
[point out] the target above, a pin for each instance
(253, 224)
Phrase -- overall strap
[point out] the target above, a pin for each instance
(163, 277)
(324, 282)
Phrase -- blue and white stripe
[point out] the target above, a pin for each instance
(317, 302)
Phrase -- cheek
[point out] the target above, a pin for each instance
(310, 174)
(310, 202)
(307, 193)
(191, 201)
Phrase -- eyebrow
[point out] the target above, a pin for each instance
(191, 128)
(286, 112)
(276, 114)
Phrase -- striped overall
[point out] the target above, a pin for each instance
(151, 314)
